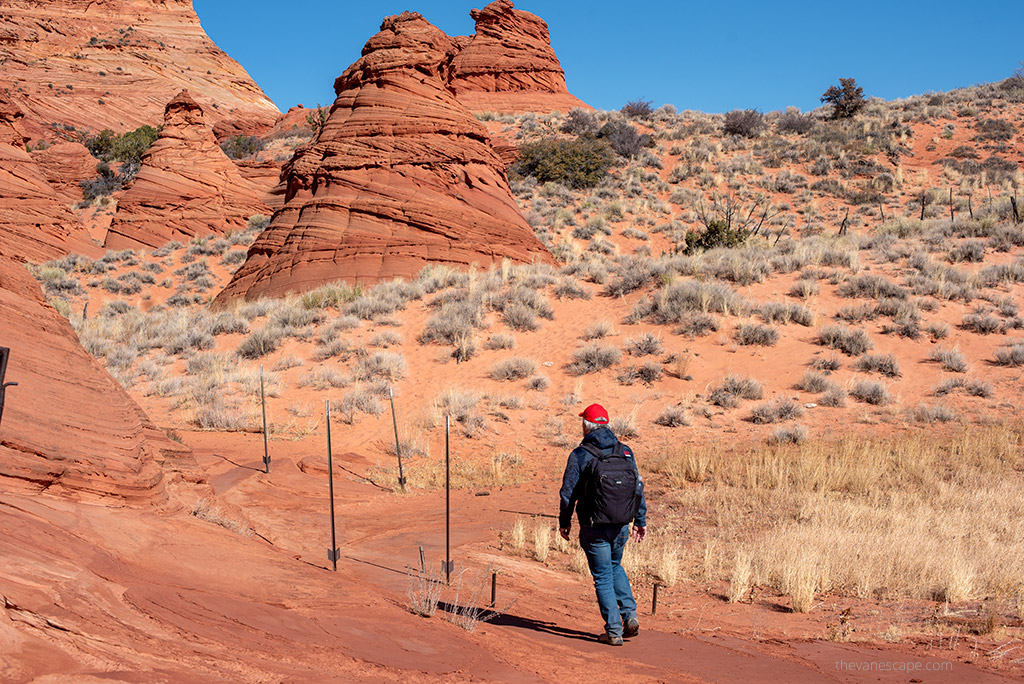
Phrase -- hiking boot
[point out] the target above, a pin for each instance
(610, 639)
(630, 627)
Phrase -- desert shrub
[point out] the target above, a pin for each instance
(924, 413)
(388, 338)
(623, 138)
(581, 122)
(593, 357)
(241, 146)
(804, 289)
(776, 411)
(638, 109)
(994, 129)
(734, 388)
(871, 392)
(950, 359)
(886, 364)
(1011, 355)
(870, 286)
(501, 341)
(389, 366)
(597, 330)
(784, 312)
(125, 147)
(644, 345)
(624, 427)
(673, 303)
(570, 288)
(789, 434)
(453, 321)
(846, 99)
(323, 378)
(716, 234)
(697, 325)
(578, 163)
(515, 368)
(972, 251)
(354, 402)
(748, 123)
(794, 122)
(814, 382)
(673, 416)
(827, 363)
(538, 383)
(756, 334)
(982, 323)
(937, 331)
(260, 342)
(647, 373)
(520, 317)
(850, 341)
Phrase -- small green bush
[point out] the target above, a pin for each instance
(716, 234)
(577, 164)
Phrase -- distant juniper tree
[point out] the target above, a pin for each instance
(317, 118)
(846, 99)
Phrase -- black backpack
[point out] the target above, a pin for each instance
(609, 494)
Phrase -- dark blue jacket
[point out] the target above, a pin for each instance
(605, 440)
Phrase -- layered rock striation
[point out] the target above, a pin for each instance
(68, 428)
(509, 65)
(35, 223)
(186, 186)
(401, 175)
(96, 64)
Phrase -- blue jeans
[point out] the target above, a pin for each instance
(603, 545)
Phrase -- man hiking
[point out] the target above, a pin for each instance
(603, 484)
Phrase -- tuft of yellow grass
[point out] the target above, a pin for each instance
(541, 542)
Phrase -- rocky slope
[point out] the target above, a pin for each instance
(186, 187)
(96, 64)
(68, 428)
(509, 66)
(402, 175)
(35, 224)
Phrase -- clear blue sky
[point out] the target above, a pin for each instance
(707, 56)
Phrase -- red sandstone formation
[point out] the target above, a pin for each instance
(35, 224)
(98, 64)
(509, 64)
(68, 428)
(186, 187)
(65, 165)
(402, 175)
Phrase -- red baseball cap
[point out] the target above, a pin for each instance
(595, 413)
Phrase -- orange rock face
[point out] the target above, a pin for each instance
(98, 64)
(402, 175)
(68, 428)
(65, 165)
(186, 186)
(35, 224)
(509, 64)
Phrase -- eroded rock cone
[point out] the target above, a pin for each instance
(508, 65)
(68, 428)
(186, 187)
(35, 224)
(402, 175)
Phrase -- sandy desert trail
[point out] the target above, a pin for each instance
(95, 593)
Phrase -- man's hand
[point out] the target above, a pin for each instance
(639, 533)
(564, 531)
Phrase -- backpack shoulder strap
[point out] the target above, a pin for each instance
(592, 450)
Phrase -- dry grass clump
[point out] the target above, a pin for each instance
(975, 388)
(937, 331)
(871, 392)
(950, 359)
(624, 427)
(515, 368)
(886, 364)
(645, 344)
(675, 303)
(786, 312)
(463, 407)
(389, 366)
(260, 343)
(597, 330)
(937, 413)
(788, 434)
(593, 357)
(815, 382)
(1011, 355)
(501, 341)
(914, 516)
(697, 325)
(500, 469)
(850, 341)
(982, 322)
(356, 401)
(827, 364)
(756, 334)
(211, 511)
(324, 377)
(734, 388)
(673, 416)
(539, 383)
(804, 289)
(776, 411)
(647, 373)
